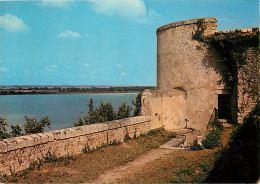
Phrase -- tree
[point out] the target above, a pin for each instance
(105, 112)
(78, 123)
(90, 106)
(3, 131)
(137, 104)
(16, 130)
(123, 111)
(32, 126)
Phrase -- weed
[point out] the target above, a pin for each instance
(135, 137)
(212, 139)
(127, 137)
(103, 145)
(114, 143)
(195, 146)
(171, 135)
(217, 125)
(155, 131)
(142, 135)
(87, 150)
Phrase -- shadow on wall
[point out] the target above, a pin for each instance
(239, 161)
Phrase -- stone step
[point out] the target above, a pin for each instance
(175, 143)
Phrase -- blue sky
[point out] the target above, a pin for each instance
(98, 42)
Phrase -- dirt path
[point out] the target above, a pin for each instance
(114, 175)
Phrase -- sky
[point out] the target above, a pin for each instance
(98, 42)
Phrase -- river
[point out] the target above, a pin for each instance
(62, 109)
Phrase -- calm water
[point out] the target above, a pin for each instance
(63, 109)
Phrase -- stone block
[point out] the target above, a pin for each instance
(50, 136)
(114, 124)
(11, 144)
(3, 147)
(147, 118)
(127, 122)
(102, 126)
(89, 129)
(43, 138)
(58, 134)
(78, 131)
(29, 141)
(36, 138)
(70, 132)
(139, 119)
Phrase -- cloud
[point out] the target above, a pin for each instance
(119, 66)
(12, 23)
(51, 68)
(56, 3)
(134, 10)
(123, 73)
(69, 34)
(100, 69)
(86, 65)
(86, 35)
(3, 69)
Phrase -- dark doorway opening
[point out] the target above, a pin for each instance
(224, 106)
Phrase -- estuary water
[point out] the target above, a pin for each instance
(62, 109)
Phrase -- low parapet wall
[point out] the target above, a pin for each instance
(18, 153)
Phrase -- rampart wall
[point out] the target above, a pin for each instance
(18, 153)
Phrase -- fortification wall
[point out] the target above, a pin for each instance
(248, 76)
(190, 66)
(18, 153)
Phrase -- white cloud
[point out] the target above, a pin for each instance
(100, 69)
(86, 35)
(3, 69)
(123, 73)
(119, 66)
(56, 3)
(86, 65)
(134, 10)
(51, 68)
(69, 34)
(12, 23)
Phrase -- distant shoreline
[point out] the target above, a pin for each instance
(92, 90)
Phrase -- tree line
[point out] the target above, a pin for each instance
(105, 112)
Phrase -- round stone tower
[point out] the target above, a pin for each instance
(178, 53)
(188, 65)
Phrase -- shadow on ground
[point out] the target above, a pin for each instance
(239, 161)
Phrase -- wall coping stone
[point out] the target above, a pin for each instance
(185, 22)
(25, 141)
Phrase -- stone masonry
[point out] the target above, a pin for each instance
(187, 78)
(18, 153)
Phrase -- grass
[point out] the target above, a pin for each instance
(87, 167)
(179, 166)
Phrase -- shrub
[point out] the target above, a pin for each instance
(137, 104)
(195, 146)
(3, 131)
(123, 111)
(114, 143)
(127, 137)
(105, 112)
(217, 125)
(78, 123)
(87, 150)
(16, 130)
(171, 135)
(212, 139)
(155, 131)
(33, 126)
